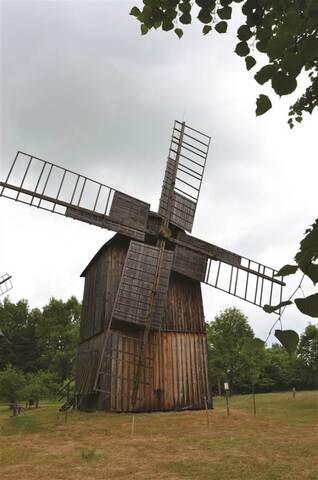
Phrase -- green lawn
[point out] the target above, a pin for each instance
(279, 443)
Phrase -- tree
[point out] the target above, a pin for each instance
(227, 335)
(39, 385)
(40, 339)
(308, 355)
(19, 346)
(284, 31)
(58, 335)
(12, 383)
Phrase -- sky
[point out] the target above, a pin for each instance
(80, 87)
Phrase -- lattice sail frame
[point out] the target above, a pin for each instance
(239, 276)
(5, 283)
(184, 173)
(48, 186)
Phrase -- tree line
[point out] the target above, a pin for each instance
(38, 352)
(237, 357)
(38, 347)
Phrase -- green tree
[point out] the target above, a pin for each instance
(12, 383)
(283, 33)
(308, 355)
(58, 335)
(227, 336)
(39, 385)
(280, 371)
(19, 345)
(40, 339)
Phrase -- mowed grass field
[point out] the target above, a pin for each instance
(281, 442)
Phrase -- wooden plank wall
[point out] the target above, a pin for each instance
(184, 308)
(178, 377)
(101, 284)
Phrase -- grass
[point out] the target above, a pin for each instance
(280, 443)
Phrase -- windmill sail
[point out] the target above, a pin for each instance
(184, 172)
(239, 276)
(5, 283)
(42, 184)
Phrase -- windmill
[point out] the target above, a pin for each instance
(5, 283)
(143, 340)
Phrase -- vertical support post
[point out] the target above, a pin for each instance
(227, 402)
(207, 412)
(254, 400)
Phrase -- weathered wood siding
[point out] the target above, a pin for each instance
(174, 373)
(101, 283)
(184, 309)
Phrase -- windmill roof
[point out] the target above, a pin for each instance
(117, 236)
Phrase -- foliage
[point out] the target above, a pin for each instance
(308, 355)
(306, 262)
(39, 385)
(284, 31)
(12, 383)
(40, 339)
(236, 356)
(227, 336)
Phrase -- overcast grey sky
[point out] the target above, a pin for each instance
(82, 88)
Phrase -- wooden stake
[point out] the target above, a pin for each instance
(207, 412)
(254, 401)
(294, 393)
(133, 425)
(227, 402)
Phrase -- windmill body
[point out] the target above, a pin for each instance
(142, 340)
(174, 367)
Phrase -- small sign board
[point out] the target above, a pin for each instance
(226, 386)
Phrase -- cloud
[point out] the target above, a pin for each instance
(82, 88)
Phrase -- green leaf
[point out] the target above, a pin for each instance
(309, 48)
(144, 29)
(263, 104)
(289, 339)
(242, 49)
(205, 16)
(135, 12)
(221, 27)
(185, 18)
(206, 29)
(311, 270)
(265, 74)
(185, 7)
(167, 25)
(225, 13)
(178, 32)
(273, 308)
(286, 270)
(250, 62)
(244, 33)
(308, 305)
(283, 84)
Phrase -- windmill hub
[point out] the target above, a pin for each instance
(165, 233)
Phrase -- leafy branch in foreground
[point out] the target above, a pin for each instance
(286, 31)
(306, 262)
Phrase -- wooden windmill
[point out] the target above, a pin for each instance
(142, 340)
(5, 283)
